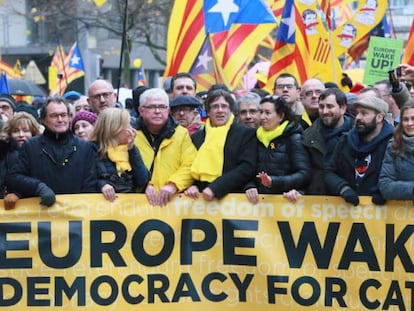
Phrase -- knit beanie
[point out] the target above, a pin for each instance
(8, 99)
(84, 115)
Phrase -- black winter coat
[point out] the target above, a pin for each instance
(340, 170)
(239, 160)
(319, 150)
(285, 160)
(9, 150)
(65, 163)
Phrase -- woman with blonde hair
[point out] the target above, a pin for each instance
(19, 128)
(120, 166)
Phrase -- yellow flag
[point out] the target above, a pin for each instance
(323, 64)
(99, 3)
(367, 16)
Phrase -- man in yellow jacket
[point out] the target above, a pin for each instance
(165, 147)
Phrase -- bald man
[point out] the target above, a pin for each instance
(101, 95)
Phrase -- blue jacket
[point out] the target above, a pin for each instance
(396, 180)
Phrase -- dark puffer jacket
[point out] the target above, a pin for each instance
(285, 161)
(64, 162)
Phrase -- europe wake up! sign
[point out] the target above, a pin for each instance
(383, 55)
(85, 253)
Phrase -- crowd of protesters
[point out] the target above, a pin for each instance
(309, 139)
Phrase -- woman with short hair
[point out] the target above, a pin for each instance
(17, 130)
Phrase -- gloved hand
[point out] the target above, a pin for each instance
(351, 196)
(377, 199)
(46, 194)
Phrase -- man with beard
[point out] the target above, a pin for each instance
(321, 138)
(356, 162)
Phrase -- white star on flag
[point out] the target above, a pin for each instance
(203, 60)
(225, 9)
(74, 60)
(290, 22)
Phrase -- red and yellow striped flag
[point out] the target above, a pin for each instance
(408, 57)
(291, 51)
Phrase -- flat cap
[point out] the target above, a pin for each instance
(373, 103)
(183, 100)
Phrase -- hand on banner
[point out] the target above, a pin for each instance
(292, 195)
(166, 193)
(10, 201)
(350, 196)
(46, 194)
(109, 193)
(151, 195)
(252, 195)
(192, 192)
(208, 194)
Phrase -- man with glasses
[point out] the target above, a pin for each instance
(7, 106)
(309, 95)
(287, 87)
(248, 109)
(165, 147)
(101, 95)
(55, 162)
(226, 151)
(184, 111)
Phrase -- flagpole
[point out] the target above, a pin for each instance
(335, 74)
(122, 50)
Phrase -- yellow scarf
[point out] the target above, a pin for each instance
(119, 155)
(265, 137)
(208, 163)
(305, 117)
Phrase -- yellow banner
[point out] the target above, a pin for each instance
(85, 253)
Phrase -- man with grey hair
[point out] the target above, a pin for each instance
(55, 162)
(248, 109)
(165, 146)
